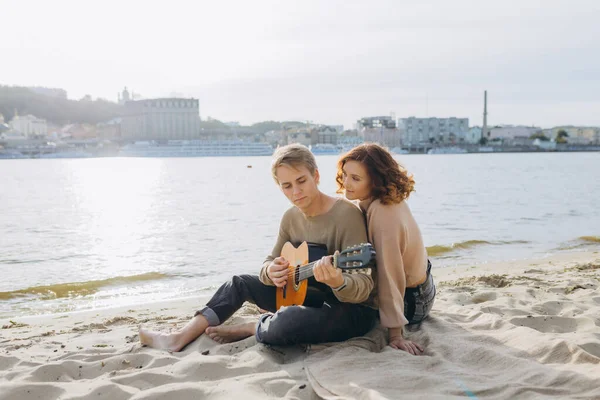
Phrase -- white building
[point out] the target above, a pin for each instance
(382, 130)
(473, 135)
(577, 134)
(510, 131)
(29, 125)
(166, 118)
(442, 130)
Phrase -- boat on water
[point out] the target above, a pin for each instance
(11, 154)
(399, 150)
(195, 148)
(66, 154)
(446, 150)
(324, 149)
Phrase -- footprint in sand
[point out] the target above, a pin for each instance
(554, 324)
(39, 391)
(483, 297)
(592, 348)
(549, 308)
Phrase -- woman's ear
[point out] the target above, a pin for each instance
(317, 176)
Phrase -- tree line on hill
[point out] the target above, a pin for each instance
(56, 110)
(16, 100)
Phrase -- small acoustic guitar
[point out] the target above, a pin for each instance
(355, 259)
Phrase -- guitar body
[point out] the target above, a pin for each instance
(294, 292)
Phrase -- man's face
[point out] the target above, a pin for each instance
(298, 185)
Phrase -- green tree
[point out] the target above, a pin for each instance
(483, 141)
(539, 135)
(561, 136)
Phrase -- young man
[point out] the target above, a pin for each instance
(338, 306)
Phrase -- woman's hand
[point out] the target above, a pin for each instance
(326, 273)
(399, 343)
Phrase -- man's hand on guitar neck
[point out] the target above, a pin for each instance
(326, 273)
(278, 271)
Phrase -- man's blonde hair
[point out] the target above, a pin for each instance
(293, 155)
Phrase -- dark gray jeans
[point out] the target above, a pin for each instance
(322, 319)
(418, 301)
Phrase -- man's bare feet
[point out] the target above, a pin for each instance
(231, 333)
(159, 340)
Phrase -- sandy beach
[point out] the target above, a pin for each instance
(522, 329)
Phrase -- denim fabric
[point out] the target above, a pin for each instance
(418, 301)
(321, 319)
(328, 323)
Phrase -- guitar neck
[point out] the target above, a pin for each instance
(305, 271)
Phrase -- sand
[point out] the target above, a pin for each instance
(522, 329)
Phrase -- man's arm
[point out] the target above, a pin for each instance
(282, 238)
(356, 287)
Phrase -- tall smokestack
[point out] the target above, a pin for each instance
(484, 129)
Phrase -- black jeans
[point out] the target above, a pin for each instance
(323, 318)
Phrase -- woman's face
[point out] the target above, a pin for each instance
(356, 181)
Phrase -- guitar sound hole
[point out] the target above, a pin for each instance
(297, 275)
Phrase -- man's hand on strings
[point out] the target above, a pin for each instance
(278, 271)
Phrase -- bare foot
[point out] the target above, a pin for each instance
(159, 340)
(231, 333)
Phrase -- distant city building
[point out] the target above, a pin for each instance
(338, 128)
(29, 125)
(349, 139)
(166, 118)
(109, 130)
(473, 135)
(78, 131)
(441, 130)
(511, 132)
(298, 135)
(382, 130)
(124, 97)
(233, 124)
(50, 92)
(324, 134)
(577, 134)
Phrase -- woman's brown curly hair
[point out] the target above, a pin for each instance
(390, 182)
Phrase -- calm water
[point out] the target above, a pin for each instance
(79, 234)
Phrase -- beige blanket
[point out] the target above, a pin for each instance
(535, 336)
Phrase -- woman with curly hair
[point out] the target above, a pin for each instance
(405, 288)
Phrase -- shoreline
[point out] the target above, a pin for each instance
(539, 316)
(461, 268)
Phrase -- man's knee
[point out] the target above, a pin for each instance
(287, 326)
(243, 280)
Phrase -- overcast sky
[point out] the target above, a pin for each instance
(324, 61)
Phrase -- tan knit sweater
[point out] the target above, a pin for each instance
(401, 256)
(342, 226)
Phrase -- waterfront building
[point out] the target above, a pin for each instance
(577, 134)
(418, 131)
(473, 135)
(109, 130)
(382, 130)
(324, 134)
(510, 131)
(29, 125)
(164, 118)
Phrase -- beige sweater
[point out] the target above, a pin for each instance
(401, 256)
(342, 226)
